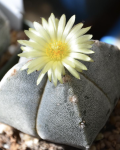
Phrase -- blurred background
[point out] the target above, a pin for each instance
(102, 15)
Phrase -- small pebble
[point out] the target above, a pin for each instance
(117, 147)
(117, 125)
(112, 120)
(114, 143)
(98, 146)
(102, 144)
(107, 134)
(111, 138)
(6, 146)
(100, 136)
(107, 143)
(93, 148)
(115, 131)
(2, 128)
(12, 49)
(111, 148)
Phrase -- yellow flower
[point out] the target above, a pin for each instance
(54, 46)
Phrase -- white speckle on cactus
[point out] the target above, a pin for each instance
(14, 72)
(74, 99)
(82, 124)
(87, 147)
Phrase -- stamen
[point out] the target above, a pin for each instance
(57, 50)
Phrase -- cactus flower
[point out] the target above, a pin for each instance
(56, 45)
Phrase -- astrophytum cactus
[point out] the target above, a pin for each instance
(71, 113)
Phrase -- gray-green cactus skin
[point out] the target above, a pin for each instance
(4, 33)
(72, 113)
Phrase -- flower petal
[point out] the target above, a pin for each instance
(68, 62)
(26, 65)
(81, 40)
(27, 49)
(56, 21)
(42, 31)
(79, 65)
(35, 38)
(74, 30)
(54, 66)
(82, 32)
(51, 29)
(72, 71)
(38, 61)
(45, 69)
(35, 32)
(86, 51)
(31, 44)
(53, 20)
(37, 66)
(76, 48)
(54, 78)
(86, 43)
(68, 27)
(81, 57)
(84, 38)
(58, 70)
(57, 74)
(32, 54)
(61, 26)
(63, 70)
(50, 75)
(40, 78)
(78, 69)
(90, 42)
(80, 46)
(61, 80)
(78, 34)
(45, 24)
(85, 46)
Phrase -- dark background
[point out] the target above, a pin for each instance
(102, 15)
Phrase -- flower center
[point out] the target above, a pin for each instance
(57, 50)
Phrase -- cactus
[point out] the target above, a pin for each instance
(72, 113)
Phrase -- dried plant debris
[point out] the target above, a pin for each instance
(107, 139)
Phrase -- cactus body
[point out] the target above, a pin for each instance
(72, 113)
